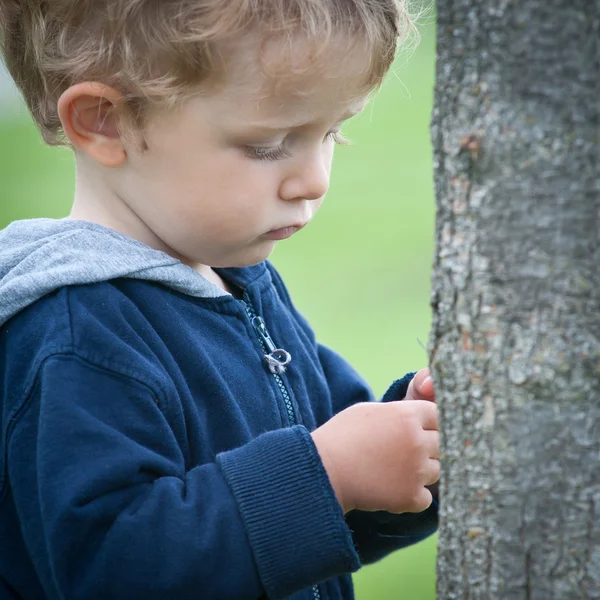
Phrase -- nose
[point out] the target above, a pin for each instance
(307, 178)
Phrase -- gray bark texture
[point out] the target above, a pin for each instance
(515, 343)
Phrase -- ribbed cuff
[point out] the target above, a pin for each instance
(293, 520)
(398, 389)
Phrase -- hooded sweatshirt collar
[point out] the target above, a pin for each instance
(38, 256)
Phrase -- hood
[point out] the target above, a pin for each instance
(38, 256)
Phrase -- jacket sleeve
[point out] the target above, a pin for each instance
(109, 509)
(375, 534)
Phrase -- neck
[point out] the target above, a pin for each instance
(97, 202)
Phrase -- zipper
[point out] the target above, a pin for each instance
(277, 359)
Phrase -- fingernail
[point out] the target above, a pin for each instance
(427, 380)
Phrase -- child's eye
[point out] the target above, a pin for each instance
(267, 152)
(280, 152)
(337, 138)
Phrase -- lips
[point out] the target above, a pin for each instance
(282, 233)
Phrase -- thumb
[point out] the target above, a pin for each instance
(421, 387)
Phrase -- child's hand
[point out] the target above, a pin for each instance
(381, 456)
(421, 387)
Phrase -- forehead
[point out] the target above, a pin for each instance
(296, 80)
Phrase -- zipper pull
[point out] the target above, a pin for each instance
(277, 358)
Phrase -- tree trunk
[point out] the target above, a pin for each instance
(515, 345)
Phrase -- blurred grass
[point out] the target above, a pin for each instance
(360, 272)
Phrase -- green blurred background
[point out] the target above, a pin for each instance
(360, 272)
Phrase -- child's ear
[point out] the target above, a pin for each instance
(89, 116)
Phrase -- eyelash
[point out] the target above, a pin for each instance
(279, 152)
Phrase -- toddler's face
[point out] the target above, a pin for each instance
(236, 170)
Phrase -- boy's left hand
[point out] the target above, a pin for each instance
(421, 387)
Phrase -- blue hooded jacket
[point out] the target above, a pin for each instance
(154, 444)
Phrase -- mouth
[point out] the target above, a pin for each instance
(284, 232)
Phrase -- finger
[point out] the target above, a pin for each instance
(434, 470)
(433, 443)
(435, 490)
(429, 415)
(422, 501)
(421, 387)
(412, 393)
(425, 390)
(421, 375)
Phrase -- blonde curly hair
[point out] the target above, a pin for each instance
(158, 53)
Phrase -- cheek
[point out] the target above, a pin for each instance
(241, 184)
(229, 195)
(218, 190)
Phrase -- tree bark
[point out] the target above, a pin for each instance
(515, 344)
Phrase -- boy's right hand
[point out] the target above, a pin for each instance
(380, 456)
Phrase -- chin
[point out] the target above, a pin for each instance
(249, 258)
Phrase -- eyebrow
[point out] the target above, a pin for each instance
(266, 126)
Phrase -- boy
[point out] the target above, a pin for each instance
(170, 428)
